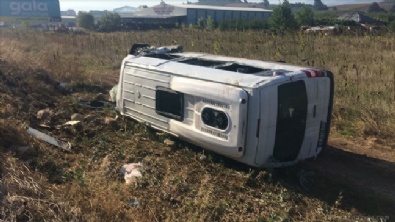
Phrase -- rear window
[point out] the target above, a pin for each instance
(291, 120)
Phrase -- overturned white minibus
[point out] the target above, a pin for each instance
(264, 114)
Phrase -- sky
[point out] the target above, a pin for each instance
(86, 5)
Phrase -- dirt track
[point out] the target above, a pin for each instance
(375, 174)
(361, 173)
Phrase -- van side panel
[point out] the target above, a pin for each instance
(141, 88)
(319, 91)
(228, 99)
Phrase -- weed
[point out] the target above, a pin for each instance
(179, 184)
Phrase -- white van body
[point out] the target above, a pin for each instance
(263, 114)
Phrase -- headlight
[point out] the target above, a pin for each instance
(215, 118)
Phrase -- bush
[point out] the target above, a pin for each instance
(109, 23)
(305, 16)
(85, 20)
(282, 17)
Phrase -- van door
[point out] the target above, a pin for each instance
(320, 99)
(139, 90)
(283, 116)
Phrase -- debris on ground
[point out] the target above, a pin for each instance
(45, 126)
(168, 142)
(109, 120)
(44, 114)
(113, 93)
(77, 117)
(134, 203)
(131, 171)
(51, 140)
(71, 123)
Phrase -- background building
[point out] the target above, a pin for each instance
(222, 13)
(44, 10)
(190, 14)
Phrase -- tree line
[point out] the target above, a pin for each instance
(110, 22)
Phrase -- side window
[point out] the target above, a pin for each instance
(170, 103)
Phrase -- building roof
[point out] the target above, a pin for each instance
(126, 9)
(157, 11)
(165, 10)
(359, 18)
(224, 8)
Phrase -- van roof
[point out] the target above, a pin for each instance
(222, 69)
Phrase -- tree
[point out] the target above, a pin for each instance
(110, 22)
(318, 5)
(85, 20)
(266, 3)
(282, 17)
(305, 16)
(375, 7)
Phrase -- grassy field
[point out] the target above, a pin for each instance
(181, 182)
(364, 65)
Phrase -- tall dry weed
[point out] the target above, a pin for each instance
(363, 64)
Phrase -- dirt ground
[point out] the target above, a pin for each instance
(364, 165)
(360, 172)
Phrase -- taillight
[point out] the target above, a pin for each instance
(314, 73)
(215, 118)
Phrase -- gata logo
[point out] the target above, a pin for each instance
(27, 7)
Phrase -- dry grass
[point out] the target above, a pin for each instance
(363, 65)
(180, 182)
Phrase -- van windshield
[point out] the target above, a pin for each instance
(291, 120)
